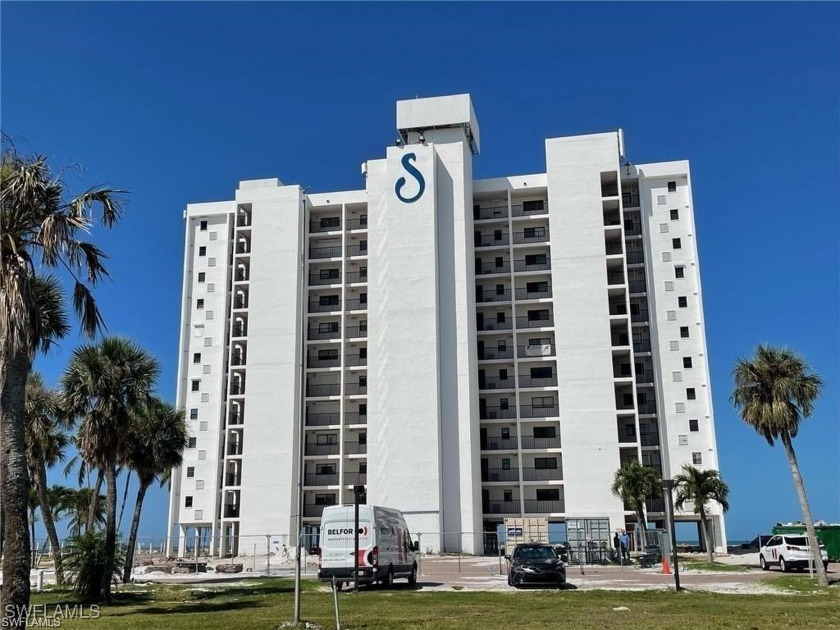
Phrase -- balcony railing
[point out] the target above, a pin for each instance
(526, 322)
(527, 210)
(520, 238)
(630, 199)
(498, 443)
(315, 333)
(357, 224)
(526, 294)
(524, 265)
(355, 389)
(501, 507)
(328, 224)
(355, 332)
(314, 510)
(233, 480)
(316, 253)
(321, 449)
(240, 301)
(355, 447)
(633, 228)
(326, 389)
(315, 361)
(321, 479)
(500, 474)
(529, 442)
(243, 218)
(492, 324)
(609, 190)
(355, 478)
(493, 296)
(351, 360)
(534, 506)
(650, 439)
(495, 413)
(647, 408)
(535, 350)
(529, 411)
(641, 345)
(491, 240)
(240, 331)
(241, 275)
(635, 257)
(534, 381)
(234, 449)
(316, 306)
(615, 278)
(355, 418)
(487, 268)
(613, 247)
(640, 316)
(494, 382)
(322, 419)
(490, 212)
(243, 247)
(542, 474)
(638, 286)
(235, 418)
(644, 376)
(357, 250)
(237, 389)
(355, 277)
(231, 511)
(356, 305)
(317, 279)
(656, 505)
(490, 354)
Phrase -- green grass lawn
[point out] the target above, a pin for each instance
(702, 565)
(262, 604)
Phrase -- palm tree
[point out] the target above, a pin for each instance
(775, 391)
(77, 508)
(41, 225)
(32, 505)
(104, 384)
(155, 445)
(698, 487)
(45, 444)
(635, 484)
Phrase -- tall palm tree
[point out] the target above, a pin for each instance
(59, 498)
(635, 484)
(43, 225)
(155, 445)
(104, 384)
(45, 444)
(32, 504)
(698, 487)
(775, 391)
(77, 509)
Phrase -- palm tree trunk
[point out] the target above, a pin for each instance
(704, 524)
(642, 523)
(34, 542)
(124, 499)
(813, 543)
(132, 536)
(14, 484)
(110, 530)
(94, 502)
(49, 523)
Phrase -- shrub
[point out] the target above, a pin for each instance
(84, 563)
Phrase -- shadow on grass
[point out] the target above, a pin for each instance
(191, 607)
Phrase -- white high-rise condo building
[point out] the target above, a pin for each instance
(467, 349)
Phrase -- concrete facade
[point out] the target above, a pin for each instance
(466, 349)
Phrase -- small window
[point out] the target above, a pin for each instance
(693, 425)
(329, 274)
(548, 494)
(545, 432)
(205, 398)
(330, 222)
(202, 226)
(672, 186)
(192, 442)
(672, 316)
(497, 235)
(661, 200)
(196, 357)
(199, 304)
(199, 484)
(679, 407)
(674, 345)
(499, 262)
(505, 463)
(194, 385)
(675, 214)
(682, 301)
(504, 403)
(669, 285)
(203, 426)
(328, 300)
(214, 236)
(532, 206)
(503, 375)
(543, 463)
(201, 276)
(188, 501)
(208, 341)
(541, 372)
(500, 289)
(679, 272)
(664, 228)
(684, 332)
(683, 440)
(666, 256)
(543, 402)
(677, 376)
(211, 287)
(328, 327)
(211, 262)
(194, 414)
(697, 459)
(205, 369)
(687, 362)
(202, 251)
(327, 355)
(362, 298)
(190, 471)
(505, 433)
(691, 393)
(508, 496)
(202, 455)
(676, 243)
(209, 315)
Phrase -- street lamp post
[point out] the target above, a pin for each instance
(667, 491)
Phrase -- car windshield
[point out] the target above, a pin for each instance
(797, 540)
(540, 553)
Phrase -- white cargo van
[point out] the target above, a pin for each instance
(386, 551)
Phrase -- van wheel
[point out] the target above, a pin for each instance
(388, 582)
(412, 579)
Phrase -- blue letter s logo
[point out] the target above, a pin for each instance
(411, 170)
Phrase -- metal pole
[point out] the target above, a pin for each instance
(268, 554)
(667, 487)
(356, 539)
(301, 394)
(335, 602)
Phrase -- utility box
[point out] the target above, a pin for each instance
(828, 535)
(525, 530)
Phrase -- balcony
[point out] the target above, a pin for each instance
(355, 447)
(640, 316)
(632, 228)
(493, 324)
(231, 511)
(492, 354)
(242, 274)
(501, 507)
(609, 190)
(355, 478)
(237, 389)
(355, 389)
(240, 301)
(491, 240)
(234, 449)
(525, 265)
(530, 208)
(316, 253)
(356, 304)
(352, 360)
(496, 413)
(542, 474)
(644, 376)
(613, 248)
(535, 506)
(495, 382)
(655, 505)
(615, 278)
(630, 199)
(321, 449)
(322, 419)
(321, 479)
(355, 418)
(641, 345)
(535, 381)
(498, 443)
(530, 411)
(320, 279)
(526, 321)
(356, 277)
(235, 418)
(636, 257)
(323, 361)
(539, 235)
(650, 439)
(529, 442)
(492, 296)
(317, 333)
(492, 475)
(325, 224)
(239, 330)
(533, 294)
(638, 286)
(315, 306)
(243, 247)
(535, 350)
(357, 250)
(488, 268)
(492, 212)
(243, 217)
(233, 480)
(355, 332)
(647, 408)
(327, 389)
(314, 510)
(357, 224)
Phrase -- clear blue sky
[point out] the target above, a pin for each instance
(177, 102)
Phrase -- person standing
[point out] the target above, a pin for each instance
(624, 539)
(617, 546)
